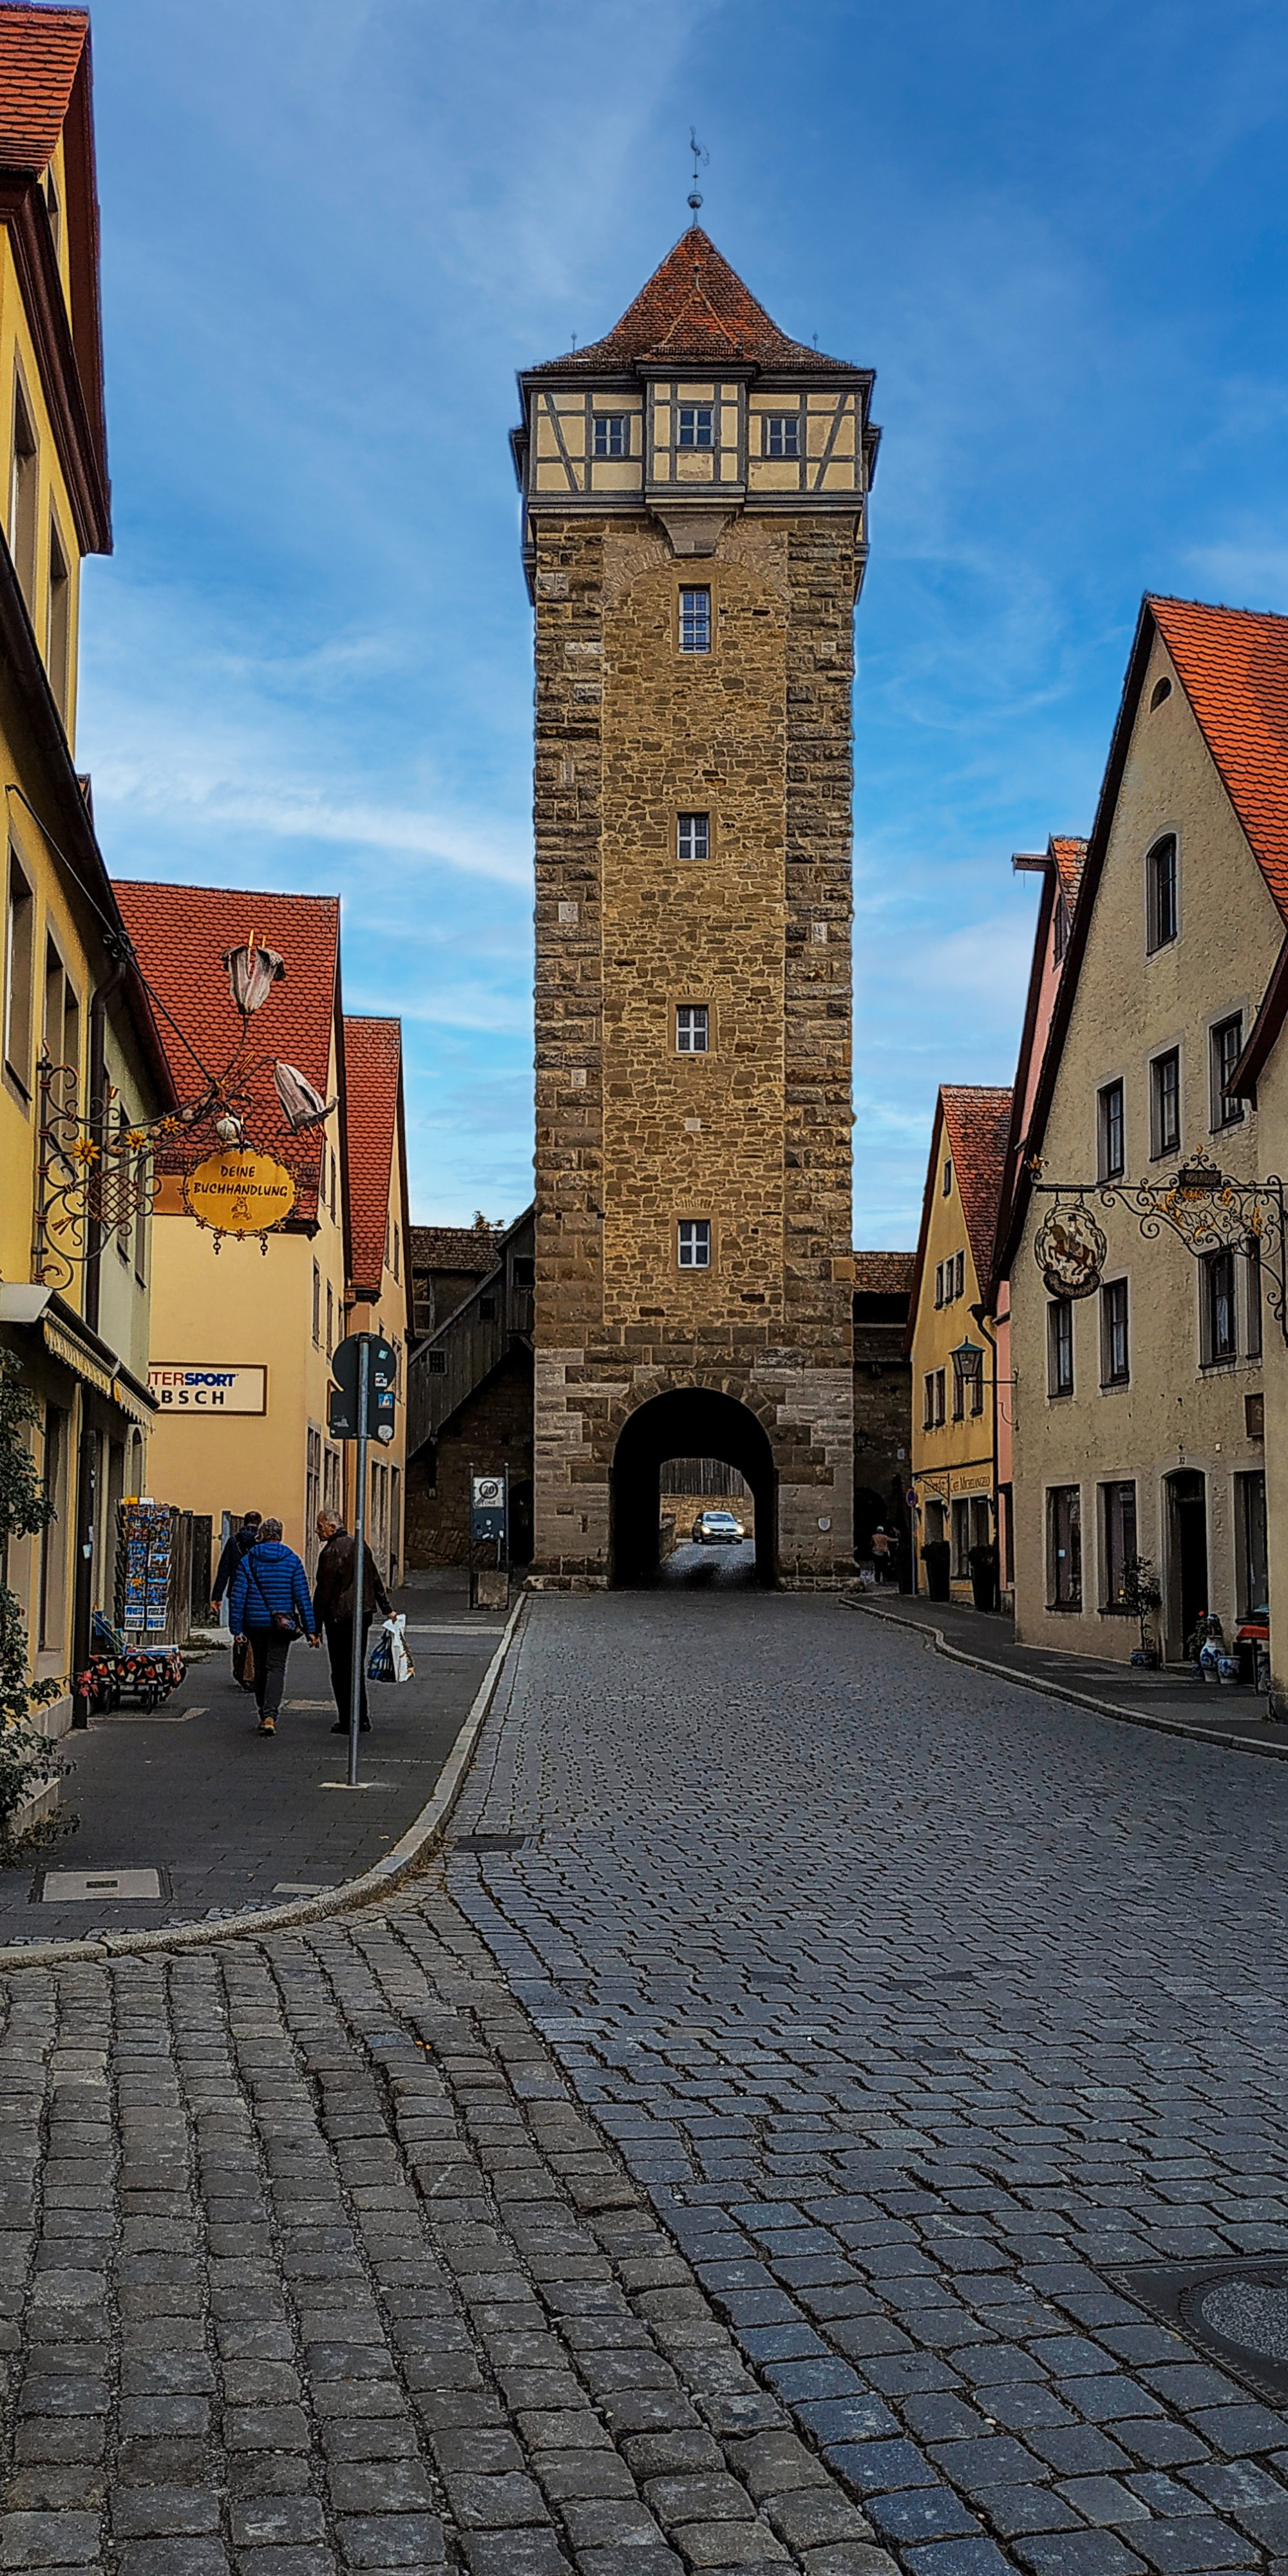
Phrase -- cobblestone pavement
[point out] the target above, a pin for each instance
(725, 2177)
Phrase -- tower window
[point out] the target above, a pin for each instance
(1161, 874)
(695, 621)
(612, 433)
(782, 433)
(694, 836)
(694, 1244)
(691, 1028)
(695, 425)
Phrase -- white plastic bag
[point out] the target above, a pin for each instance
(395, 1630)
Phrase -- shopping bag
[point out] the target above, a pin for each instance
(244, 1663)
(403, 1667)
(380, 1665)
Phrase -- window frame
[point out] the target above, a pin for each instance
(19, 973)
(58, 620)
(1218, 1310)
(1113, 1323)
(1224, 1111)
(702, 417)
(699, 831)
(1161, 1146)
(1251, 1548)
(317, 1307)
(698, 1015)
(1109, 1093)
(1162, 918)
(616, 427)
(24, 492)
(695, 627)
(959, 1539)
(787, 424)
(1119, 1521)
(1064, 1518)
(698, 1231)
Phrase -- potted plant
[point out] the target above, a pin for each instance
(1141, 1595)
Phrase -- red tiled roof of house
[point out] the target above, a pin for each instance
(40, 51)
(976, 1119)
(372, 1066)
(1070, 858)
(1233, 666)
(695, 306)
(472, 1248)
(884, 1274)
(179, 935)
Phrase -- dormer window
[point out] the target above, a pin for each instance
(695, 425)
(782, 433)
(612, 433)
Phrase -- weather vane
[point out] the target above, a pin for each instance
(700, 154)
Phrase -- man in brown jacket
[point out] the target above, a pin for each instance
(333, 1605)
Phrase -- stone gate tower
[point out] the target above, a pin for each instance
(694, 492)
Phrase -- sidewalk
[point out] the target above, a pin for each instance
(1169, 1700)
(230, 1821)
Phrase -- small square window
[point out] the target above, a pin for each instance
(691, 1028)
(782, 433)
(1165, 1081)
(612, 433)
(693, 836)
(694, 1243)
(1111, 1132)
(695, 425)
(695, 621)
(1227, 1047)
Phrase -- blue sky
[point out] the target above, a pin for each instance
(332, 230)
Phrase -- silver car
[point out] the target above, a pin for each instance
(717, 1529)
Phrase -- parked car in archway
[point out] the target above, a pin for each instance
(717, 1529)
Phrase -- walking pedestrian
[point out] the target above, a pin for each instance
(333, 1606)
(268, 1601)
(235, 1548)
(882, 1545)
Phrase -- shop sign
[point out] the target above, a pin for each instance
(239, 1193)
(201, 1386)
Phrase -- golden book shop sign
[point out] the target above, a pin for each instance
(239, 1193)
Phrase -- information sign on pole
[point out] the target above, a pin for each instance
(364, 1367)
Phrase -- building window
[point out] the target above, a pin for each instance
(1064, 1547)
(523, 1270)
(695, 621)
(928, 1401)
(24, 487)
(1160, 869)
(1165, 1094)
(1111, 1132)
(58, 631)
(959, 1526)
(782, 433)
(397, 1255)
(939, 1399)
(612, 433)
(1252, 1256)
(959, 1280)
(959, 1395)
(947, 1182)
(939, 1283)
(691, 1028)
(1060, 1346)
(1216, 1275)
(312, 1493)
(20, 931)
(1253, 1566)
(1114, 1354)
(694, 1243)
(977, 1393)
(1059, 931)
(53, 1544)
(331, 1151)
(693, 838)
(317, 1303)
(1227, 1047)
(695, 425)
(1118, 1542)
(330, 1319)
(53, 210)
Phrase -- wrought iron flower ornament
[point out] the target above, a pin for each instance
(302, 1106)
(252, 972)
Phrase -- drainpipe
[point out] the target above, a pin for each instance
(98, 1116)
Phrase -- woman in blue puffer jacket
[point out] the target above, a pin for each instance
(269, 1601)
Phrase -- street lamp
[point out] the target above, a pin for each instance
(968, 1363)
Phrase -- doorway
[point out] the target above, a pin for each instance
(688, 1422)
(1187, 1558)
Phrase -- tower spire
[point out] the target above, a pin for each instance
(700, 154)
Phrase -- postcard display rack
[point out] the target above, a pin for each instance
(145, 1567)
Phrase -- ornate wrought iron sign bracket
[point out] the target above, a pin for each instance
(1207, 1211)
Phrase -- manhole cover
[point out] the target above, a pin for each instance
(489, 1842)
(96, 1886)
(1235, 2310)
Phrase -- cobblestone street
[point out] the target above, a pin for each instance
(728, 2173)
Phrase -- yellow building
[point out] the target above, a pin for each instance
(243, 1331)
(79, 1046)
(954, 1454)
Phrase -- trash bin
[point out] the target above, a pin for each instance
(936, 1558)
(983, 1576)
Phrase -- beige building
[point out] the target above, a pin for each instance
(1137, 1335)
(954, 1419)
(695, 530)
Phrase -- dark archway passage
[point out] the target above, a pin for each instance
(685, 1423)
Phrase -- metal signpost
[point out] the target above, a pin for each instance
(489, 1524)
(364, 1367)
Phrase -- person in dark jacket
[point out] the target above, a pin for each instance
(235, 1548)
(333, 1594)
(268, 1601)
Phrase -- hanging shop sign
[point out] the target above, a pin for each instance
(201, 1386)
(239, 1193)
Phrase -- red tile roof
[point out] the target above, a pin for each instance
(372, 1070)
(976, 1120)
(1233, 666)
(472, 1248)
(179, 935)
(695, 306)
(884, 1274)
(40, 52)
(1070, 859)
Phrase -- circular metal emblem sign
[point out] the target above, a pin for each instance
(1069, 1250)
(239, 1193)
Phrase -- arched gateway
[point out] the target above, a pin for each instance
(694, 499)
(686, 1422)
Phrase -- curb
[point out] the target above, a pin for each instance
(935, 1638)
(411, 1849)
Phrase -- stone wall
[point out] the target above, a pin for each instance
(755, 1135)
(492, 1430)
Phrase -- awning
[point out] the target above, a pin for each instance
(74, 1356)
